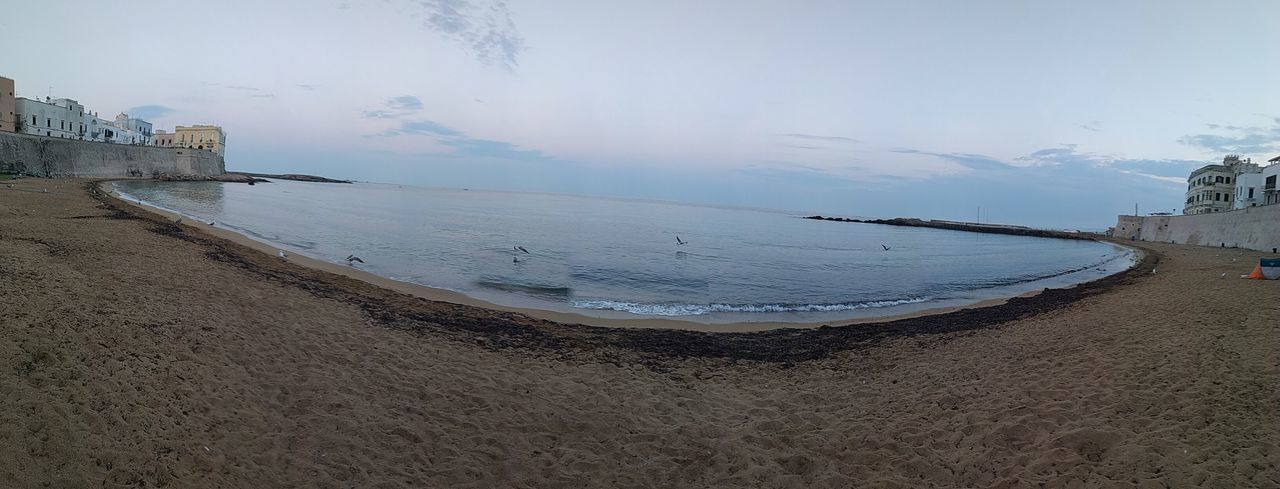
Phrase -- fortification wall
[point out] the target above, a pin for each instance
(1255, 228)
(56, 157)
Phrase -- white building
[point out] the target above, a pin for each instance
(61, 118)
(1249, 182)
(1214, 188)
(1270, 193)
(67, 118)
(133, 130)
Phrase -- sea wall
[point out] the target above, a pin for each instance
(1255, 228)
(57, 157)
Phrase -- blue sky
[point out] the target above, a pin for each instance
(1056, 114)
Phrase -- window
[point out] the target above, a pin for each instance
(48, 122)
(1250, 192)
(1228, 179)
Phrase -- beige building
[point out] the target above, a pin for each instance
(8, 105)
(200, 137)
(162, 139)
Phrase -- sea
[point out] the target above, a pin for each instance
(624, 258)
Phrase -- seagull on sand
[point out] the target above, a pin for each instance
(680, 241)
(520, 248)
(282, 254)
(886, 248)
(351, 259)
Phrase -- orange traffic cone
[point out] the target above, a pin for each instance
(1257, 273)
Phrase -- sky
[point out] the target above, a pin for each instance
(1056, 114)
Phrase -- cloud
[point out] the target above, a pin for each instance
(967, 160)
(463, 145)
(813, 137)
(1065, 160)
(1089, 128)
(801, 146)
(421, 128)
(150, 111)
(1237, 139)
(483, 26)
(1247, 143)
(305, 86)
(484, 148)
(395, 107)
(405, 102)
(254, 92)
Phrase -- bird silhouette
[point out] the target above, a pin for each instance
(680, 242)
(353, 259)
(521, 248)
(886, 248)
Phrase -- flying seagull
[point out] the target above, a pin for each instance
(353, 259)
(521, 248)
(886, 248)
(680, 241)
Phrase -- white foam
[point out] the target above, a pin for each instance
(703, 309)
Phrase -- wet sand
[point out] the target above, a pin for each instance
(139, 353)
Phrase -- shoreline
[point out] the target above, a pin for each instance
(639, 322)
(140, 352)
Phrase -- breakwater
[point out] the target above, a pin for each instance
(64, 158)
(964, 226)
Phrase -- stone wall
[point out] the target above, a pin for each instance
(55, 157)
(1255, 228)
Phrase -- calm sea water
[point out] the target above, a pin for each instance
(620, 258)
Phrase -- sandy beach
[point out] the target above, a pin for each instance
(140, 353)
